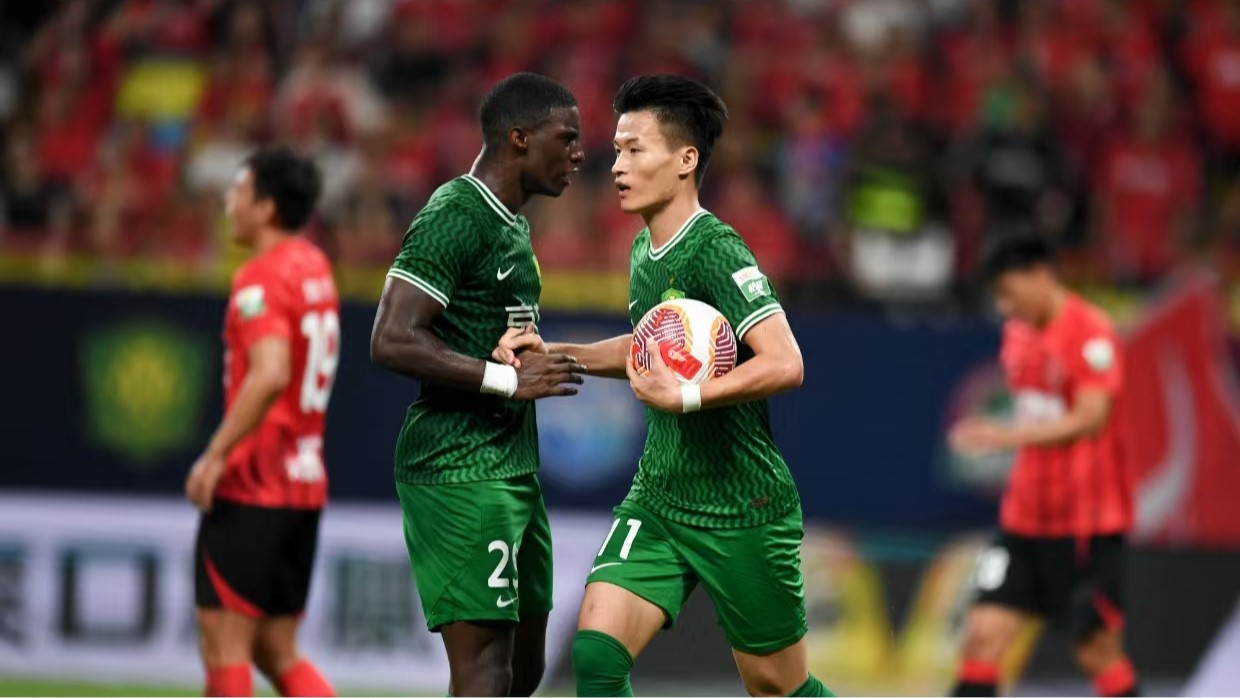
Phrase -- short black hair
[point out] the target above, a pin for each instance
(291, 181)
(688, 112)
(523, 100)
(1015, 252)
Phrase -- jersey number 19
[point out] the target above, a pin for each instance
(322, 333)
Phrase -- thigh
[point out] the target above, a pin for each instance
(1098, 597)
(1061, 565)
(1005, 575)
(237, 558)
(460, 539)
(534, 562)
(639, 557)
(753, 576)
(291, 585)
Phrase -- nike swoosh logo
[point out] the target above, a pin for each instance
(501, 602)
(632, 304)
(501, 275)
(605, 564)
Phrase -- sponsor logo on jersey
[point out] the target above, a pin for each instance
(522, 314)
(251, 301)
(672, 294)
(752, 283)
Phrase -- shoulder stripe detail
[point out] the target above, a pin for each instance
(755, 317)
(429, 289)
(680, 234)
(492, 200)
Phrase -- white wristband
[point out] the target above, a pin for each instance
(690, 398)
(499, 379)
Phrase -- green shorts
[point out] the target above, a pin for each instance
(480, 551)
(753, 575)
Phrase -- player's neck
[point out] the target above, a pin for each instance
(1058, 301)
(665, 222)
(269, 237)
(504, 182)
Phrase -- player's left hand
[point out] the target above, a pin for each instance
(975, 437)
(515, 341)
(203, 477)
(658, 387)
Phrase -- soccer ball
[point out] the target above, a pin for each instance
(695, 340)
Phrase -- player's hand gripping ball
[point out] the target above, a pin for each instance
(695, 340)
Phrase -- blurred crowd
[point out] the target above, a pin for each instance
(872, 143)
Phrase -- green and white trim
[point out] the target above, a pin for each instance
(492, 201)
(419, 283)
(755, 317)
(658, 254)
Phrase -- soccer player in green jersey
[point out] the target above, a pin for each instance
(713, 502)
(466, 459)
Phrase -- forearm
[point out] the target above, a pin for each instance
(756, 379)
(606, 358)
(1056, 432)
(418, 353)
(253, 400)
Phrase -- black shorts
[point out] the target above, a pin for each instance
(1076, 585)
(255, 560)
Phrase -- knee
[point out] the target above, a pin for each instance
(273, 661)
(601, 664)
(275, 655)
(486, 679)
(1095, 652)
(764, 681)
(223, 644)
(527, 677)
(986, 638)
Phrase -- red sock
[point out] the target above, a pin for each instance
(1119, 679)
(232, 680)
(303, 679)
(976, 678)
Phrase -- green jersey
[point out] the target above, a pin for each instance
(466, 250)
(718, 468)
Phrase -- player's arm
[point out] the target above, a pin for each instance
(437, 252)
(776, 366)
(402, 341)
(1087, 418)
(268, 375)
(606, 358)
(1095, 368)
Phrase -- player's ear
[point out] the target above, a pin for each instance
(267, 211)
(688, 162)
(520, 139)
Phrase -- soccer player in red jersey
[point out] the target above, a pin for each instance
(260, 483)
(1061, 550)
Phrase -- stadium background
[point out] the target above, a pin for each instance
(873, 146)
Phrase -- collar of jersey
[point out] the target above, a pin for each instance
(684, 228)
(493, 201)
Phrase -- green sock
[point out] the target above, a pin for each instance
(812, 687)
(601, 665)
